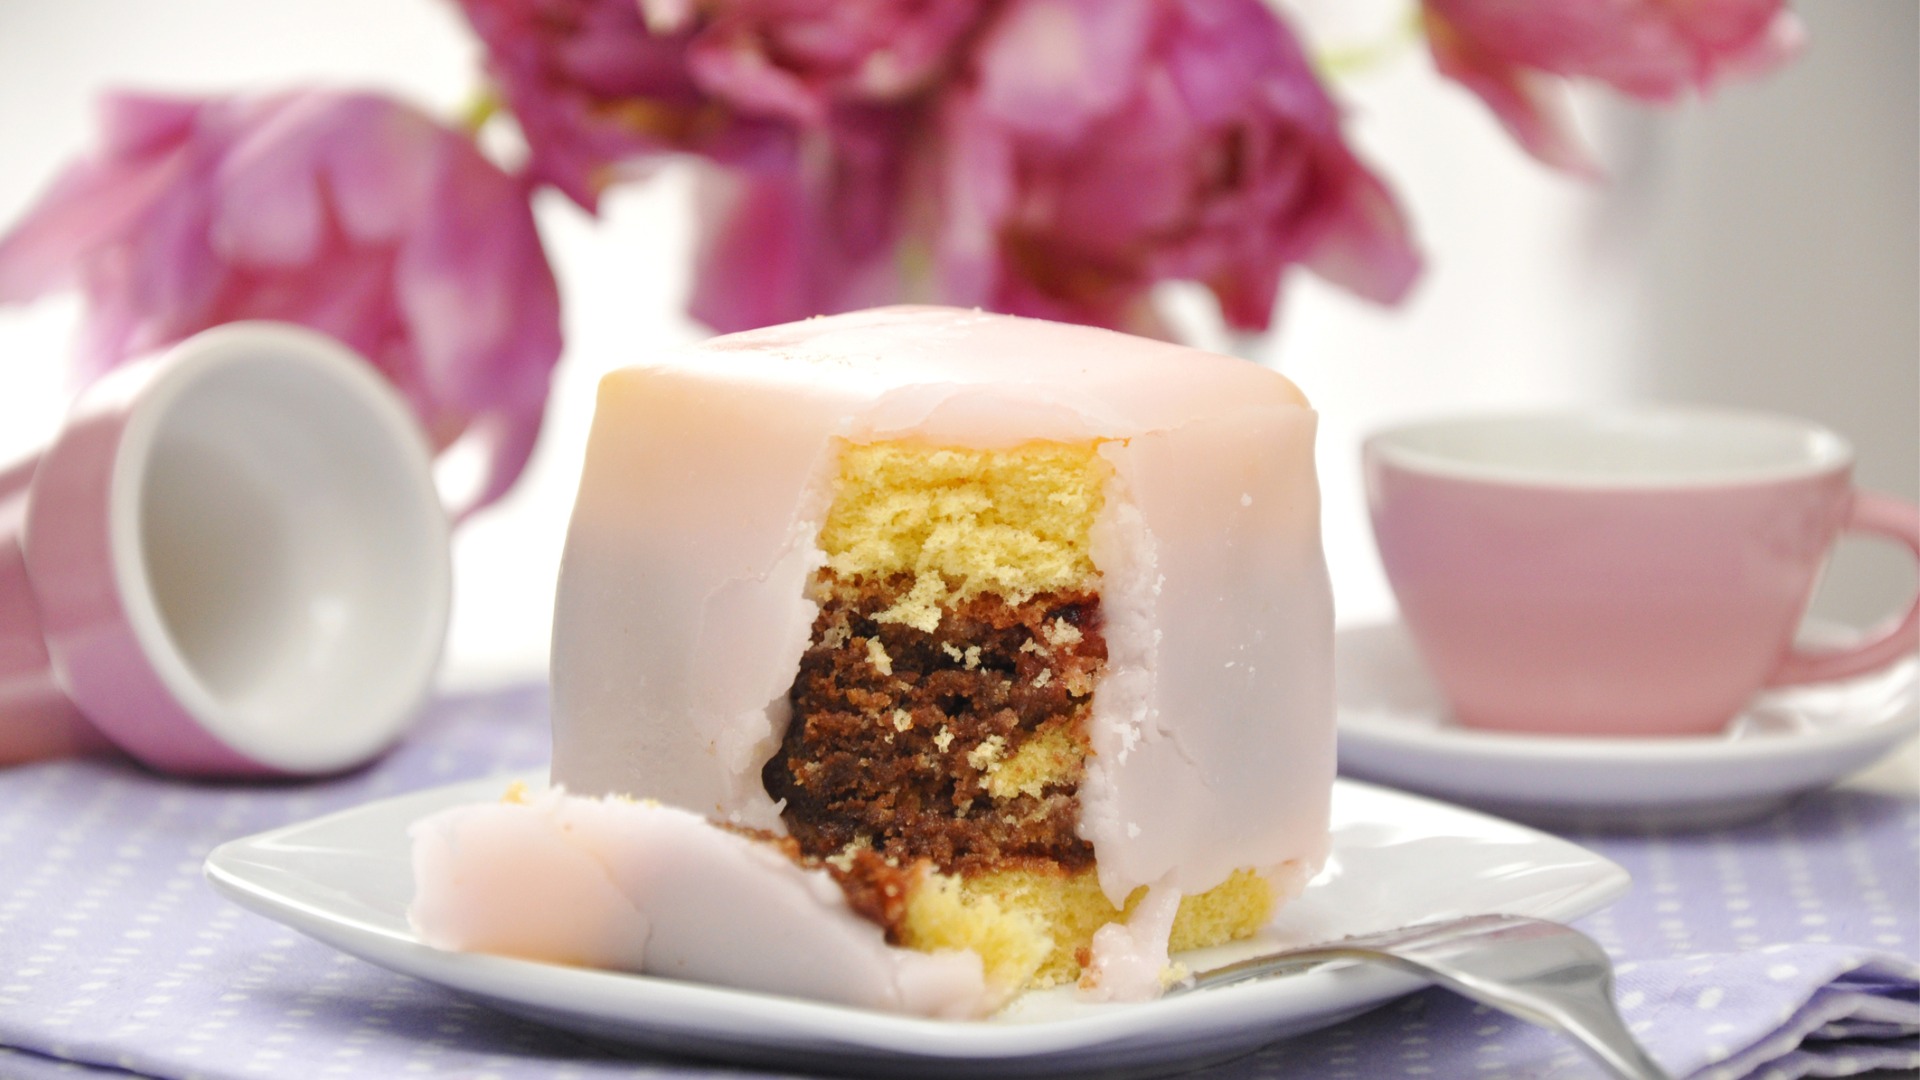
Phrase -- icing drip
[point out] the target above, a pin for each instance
(1128, 960)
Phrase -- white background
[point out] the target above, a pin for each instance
(1759, 250)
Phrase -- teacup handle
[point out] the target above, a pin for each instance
(1886, 516)
(36, 720)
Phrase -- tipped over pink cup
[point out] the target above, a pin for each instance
(231, 561)
(1630, 572)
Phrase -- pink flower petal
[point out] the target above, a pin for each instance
(734, 69)
(1784, 39)
(479, 301)
(165, 265)
(786, 243)
(507, 439)
(1049, 68)
(269, 205)
(1513, 53)
(978, 179)
(1209, 153)
(1366, 248)
(139, 125)
(1531, 106)
(376, 181)
(347, 213)
(85, 209)
(799, 59)
(98, 200)
(752, 268)
(599, 92)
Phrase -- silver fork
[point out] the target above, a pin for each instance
(1541, 972)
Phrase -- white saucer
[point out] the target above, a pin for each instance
(346, 879)
(1396, 729)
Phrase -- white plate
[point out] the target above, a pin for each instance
(1396, 729)
(345, 880)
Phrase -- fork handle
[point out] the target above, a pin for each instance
(1596, 1025)
(1598, 1029)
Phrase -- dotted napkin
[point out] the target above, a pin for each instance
(1779, 949)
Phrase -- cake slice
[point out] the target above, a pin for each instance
(1034, 613)
(639, 886)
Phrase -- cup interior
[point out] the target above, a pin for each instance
(291, 556)
(1638, 447)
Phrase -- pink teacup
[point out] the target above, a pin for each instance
(1620, 572)
(231, 561)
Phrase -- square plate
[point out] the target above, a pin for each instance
(346, 879)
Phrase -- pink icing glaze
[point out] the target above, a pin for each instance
(1129, 958)
(639, 886)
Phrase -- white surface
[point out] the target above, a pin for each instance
(345, 880)
(1395, 728)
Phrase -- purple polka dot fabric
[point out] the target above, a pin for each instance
(1778, 949)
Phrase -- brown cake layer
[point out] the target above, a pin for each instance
(896, 731)
(876, 889)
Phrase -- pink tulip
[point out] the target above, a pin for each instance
(780, 245)
(1514, 54)
(601, 95)
(1103, 145)
(348, 213)
(807, 104)
(797, 59)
